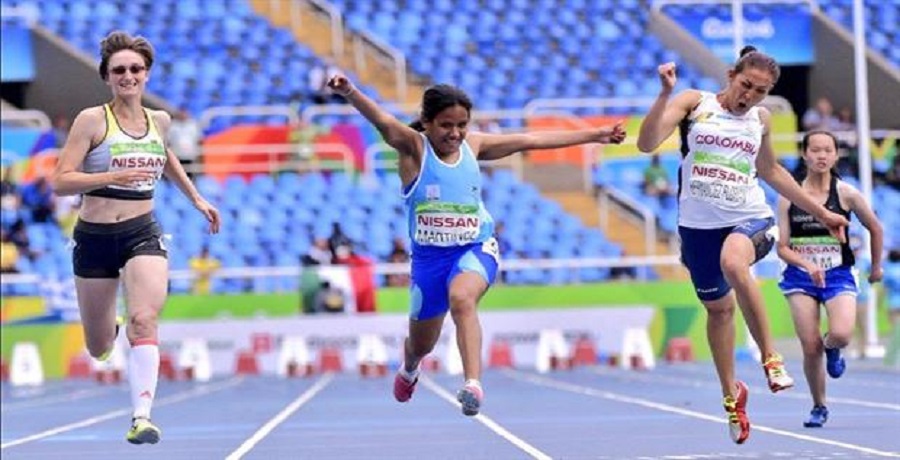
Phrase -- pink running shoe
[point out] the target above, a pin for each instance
(403, 389)
(470, 397)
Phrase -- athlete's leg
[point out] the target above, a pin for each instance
(146, 280)
(97, 305)
(805, 313)
(738, 254)
(720, 335)
(423, 335)
(841, 311)
(466, 290)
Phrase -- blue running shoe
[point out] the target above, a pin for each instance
(834, 362)
(817, 417)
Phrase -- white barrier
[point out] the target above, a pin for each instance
(25, 368)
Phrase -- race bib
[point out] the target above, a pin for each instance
(138, 156)
(824, 252)
(446, 224)
(720, 181)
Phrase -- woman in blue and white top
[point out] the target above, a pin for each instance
(820, 267)
(114, 156)
(454, 253)
(724, 222)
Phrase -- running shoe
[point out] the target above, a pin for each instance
(403, 389)
(470, 397)
(776, 373)
(817, 417)
(834, 362)
(736, 408)
(143, 432)
(119, 322)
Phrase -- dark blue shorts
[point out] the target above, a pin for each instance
(701, 252)
(434, 269)
(838, 281)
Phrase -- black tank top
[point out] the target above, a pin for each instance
(813, 241)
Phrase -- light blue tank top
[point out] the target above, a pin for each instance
(444, 205)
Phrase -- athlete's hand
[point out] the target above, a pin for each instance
(211, 213)
(341, 85)
(667, 76)
(612, 134)
(836, 224)
(817, 274)
(876, 274)
(132, 177)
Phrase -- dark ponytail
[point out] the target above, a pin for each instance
(751, 57)
(417, 125)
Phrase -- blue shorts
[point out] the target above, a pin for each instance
(701, 253)
(838, 281)
(433, 270)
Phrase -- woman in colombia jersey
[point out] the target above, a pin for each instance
(114, 156)
(819, 268)
(724, 221)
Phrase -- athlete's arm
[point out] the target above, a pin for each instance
(496, 146)
(778, 177)
(664, 116)
(175, 173)
(785, 252)
(67, 180)
(399, 136)
(858, 205)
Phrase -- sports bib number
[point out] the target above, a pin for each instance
(719, 193)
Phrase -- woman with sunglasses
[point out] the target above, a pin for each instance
(114, 156)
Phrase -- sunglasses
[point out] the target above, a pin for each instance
(134, 69)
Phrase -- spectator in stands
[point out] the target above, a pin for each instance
(61, 126)
(116, 234)
(454, 254)
(724, 221)
(9, 254)
(319, 253)
(329, 299)
(819, 267)
(38, 197)
(203, 266)
(362, 276)
(338, 243)
(399, 255)
(892, 176)
(185, 139)
(19, 237)
(9, 191)
(656, 181)
(820, 117)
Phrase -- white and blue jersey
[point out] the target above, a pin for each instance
(450, 230)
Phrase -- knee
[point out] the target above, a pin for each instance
(812, 346)
(462, 303)
(142, 324)
(720, 310)
(839, 339)
(734, 269)
(97, 348)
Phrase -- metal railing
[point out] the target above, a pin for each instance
(28, 117)
(645, 214)
(337, 25)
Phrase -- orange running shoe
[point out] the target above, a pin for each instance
(736, 408)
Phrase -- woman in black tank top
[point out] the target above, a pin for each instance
(819, 267)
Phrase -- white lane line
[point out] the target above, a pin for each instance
(63, 398)
(281, 417)
(579, 389)
(691, 382)
(534, 452)
(885, 378)
(178, 397)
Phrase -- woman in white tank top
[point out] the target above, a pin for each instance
(724, 222)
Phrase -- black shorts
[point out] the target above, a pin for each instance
(101, 250)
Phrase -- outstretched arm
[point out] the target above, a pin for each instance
(664, 115)
(399, 136)
(496, 146)
(778, 177)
